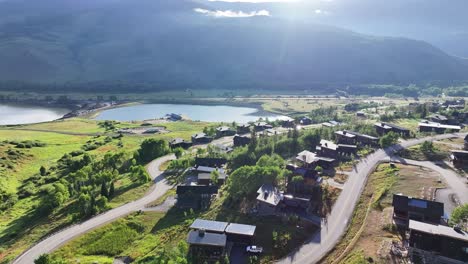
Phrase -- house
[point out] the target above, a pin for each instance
(268, 199)
(173, 117)
(260, 126)
(268, 132)
(204, 175)
(305, 121)
(347, 150)
(220, 148)
(224, 131)
(288, 123)
(343, 137)
(240, 233)
(327, 149)
(360, 114)
(408, 208)
(364, 139)
(210, 162)
(243, 129)
(241, 140)
(383, 128)
(195, 196)
(435, 243)
(201, 138)
(466, 142)
(206, 245)
(459, 158)
(437, 118)
(307, 159)
(209, 226)
(311, 176)
(179, 143)
(427, 126)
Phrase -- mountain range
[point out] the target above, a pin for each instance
(176, 44)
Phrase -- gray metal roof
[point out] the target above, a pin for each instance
(269, 194)
(439, 230)
(207, 239)
(209, 225)
(207, 176)
(240, 229)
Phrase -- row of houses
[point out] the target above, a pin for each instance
(429, 239)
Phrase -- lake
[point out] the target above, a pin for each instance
(208, 113)
(21, 114)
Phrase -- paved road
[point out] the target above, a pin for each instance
(54, 241)
(332, 230)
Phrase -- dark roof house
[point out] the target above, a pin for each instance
(241, 140)
(179, 143)
(406, 208)
(201, 138)
(195, 196)
(383, 128)
(210, 162)
(224, 131)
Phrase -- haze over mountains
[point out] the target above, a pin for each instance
(186, 44)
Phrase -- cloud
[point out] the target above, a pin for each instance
(254, 1)
(230, 13)
(321, 12)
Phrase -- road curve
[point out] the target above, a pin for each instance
(56, 240)
(313, 250)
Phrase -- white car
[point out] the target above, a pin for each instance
(254, 249)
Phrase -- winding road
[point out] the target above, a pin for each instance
(337, 222)
(311, 252)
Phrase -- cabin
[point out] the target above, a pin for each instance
(437, 127)
(173, 117)
(435, 243)
(307, 159)
(204, 175)
(437, 118)
(343, 137)
(179, 143)
(305, 121)
(243, 129)
(224, 131)
(459, 158)
(268, 199)
(206, 245)
(466, 142)
(201, 138)
(288, 123)
(384, 128)
(240, 141)
(327, 149)
(360, 114)
(260, 126)
(362, 139)
(195, 196)
(408, 208)
(210, 162)
(347, 150)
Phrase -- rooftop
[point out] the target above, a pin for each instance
(208, 225)
(223, 128)
(345, 134)
(269, 194)
(200, 135)
(207, 176)
(206, 238)
(240, 229)
(328, 144)
(438, 125)
(439, 230)
(307, 157)
(208, 169)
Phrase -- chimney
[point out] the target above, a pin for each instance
(201, 232)
(265, 195)
(344, 132)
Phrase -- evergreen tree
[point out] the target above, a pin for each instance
(112, 190)
(104, 191)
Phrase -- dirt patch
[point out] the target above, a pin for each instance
(340, 178)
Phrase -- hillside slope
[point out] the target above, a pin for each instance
(169, 45)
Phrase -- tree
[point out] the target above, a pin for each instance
(427, 146)
(43, 171)
(214, 177)
(388, 139)
(112, 190)
(104, 191)
(319, 169)
(460, 216)
(178, 152)
(43, 259)
(297, 181)
(151, 149)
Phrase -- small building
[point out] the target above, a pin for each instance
(210, 162)
(243, 129)
(383, 128)
(288, 123)
(260, 126)
(459, 158)
(209, 226)
(408, 208)
(224, 131)
(206, 245)
(343, 137)
(307, 159)
(430, 243)
(268, 199)
(364, 139)
(179, 143)
(437, 127)
(204, 175)
(195, 196)
(437, 118)
(240, 233)
(201, 138)
(347, 150)
(326, 162)
(327, 149)
(360, 114)
(240, 141)
(173, 117)
(305, 121)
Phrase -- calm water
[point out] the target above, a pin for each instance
(209, 113)
(20, 114)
